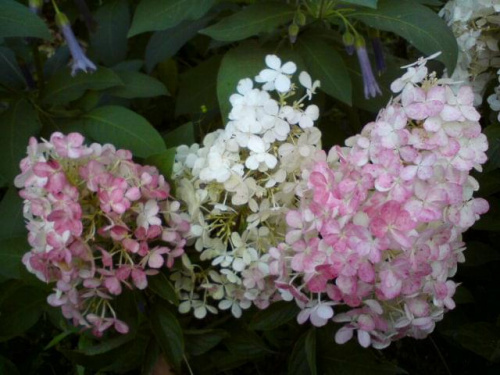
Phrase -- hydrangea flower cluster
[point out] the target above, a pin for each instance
(97, 222)
(476, 24)
(237, 187)
(379, 223)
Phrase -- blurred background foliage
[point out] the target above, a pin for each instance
(165, 71)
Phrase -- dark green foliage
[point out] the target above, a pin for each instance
(166, 70)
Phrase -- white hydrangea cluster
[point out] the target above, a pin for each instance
(237, 187)
(476, 25)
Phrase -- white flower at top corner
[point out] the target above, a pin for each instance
(276, 76)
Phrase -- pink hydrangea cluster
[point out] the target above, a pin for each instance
(97, 222)
(379, 226)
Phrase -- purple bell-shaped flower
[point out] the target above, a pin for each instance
(378, 51)
(80, 60)
(370, 84)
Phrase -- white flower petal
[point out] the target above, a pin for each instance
(343, 335)
(282, 83)
(200, 312)
(312, 112)
(238, 265)
(305, 80)
(289, 68)
(273, 62)
(236, 310)
(325, 311)
(252, 163)
(267, 75)
(225, 304)
(244, 85)
(184, 307)
(256, 144)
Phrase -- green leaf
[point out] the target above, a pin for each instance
(129, 356)
(479, 253)
(419, 25)
(298, 360)
(17, 124)
(154, 15)
(325, 63)
(221, 362)
(199, 8)
(59, 60)
(246, 344)
(11, 252)
(151, 357)
(129, 65)
(162, 287)
(109, 42)
(10, 74)
(62, 88)
(86, 103)
(349, 358)
(169, 334)
(201, 341)
(107, 345)
(164, 44)
(183, 135)
(128, 304)
(7, 367)
(16, 20)
(20, 311)
(197, 88)
(164, 162)
(489, 182)
(365, 3)
(11, 215)
(255, 19)
(137, 85)
(310, 346)
(121, 359)
(276, 315)
(493, 134)
(247, 60)
(60, 337)
(124, 129)
(479, 337)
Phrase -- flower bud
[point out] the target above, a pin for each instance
(300, 19)
(348, 40)
(293, 31)
(62, 20)
(35, 6)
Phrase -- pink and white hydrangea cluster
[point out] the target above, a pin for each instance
(476, 25)
(379, 223)
(237, 187)
(98, 223)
